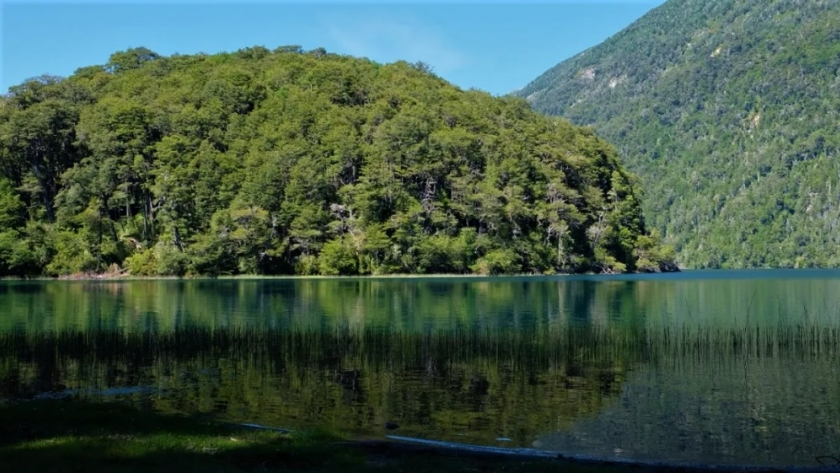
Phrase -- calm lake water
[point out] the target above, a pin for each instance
(724, 367)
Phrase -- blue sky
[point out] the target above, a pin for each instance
(490, 45)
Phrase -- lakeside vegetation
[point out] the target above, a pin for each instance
(727, 110)
(302, 162)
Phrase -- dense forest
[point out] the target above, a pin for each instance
(302, 162)
(727, 110)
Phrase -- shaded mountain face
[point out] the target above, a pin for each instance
(728, 111)
(303, 162)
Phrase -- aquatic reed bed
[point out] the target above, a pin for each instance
(327, 375)
(332, 348)
(757, 341)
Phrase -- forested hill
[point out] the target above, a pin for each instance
(728, 112)
(302, 162)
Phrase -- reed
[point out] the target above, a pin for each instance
(574, 344)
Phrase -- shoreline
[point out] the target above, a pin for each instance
(683, 274)
(47, 435)
(473, 451)
(109, 277)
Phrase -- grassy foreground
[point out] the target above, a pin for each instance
(72, 436)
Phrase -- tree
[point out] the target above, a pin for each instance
(130, 59)
(259, 162)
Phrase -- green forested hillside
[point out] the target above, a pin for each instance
(728, 112)
(295, 162)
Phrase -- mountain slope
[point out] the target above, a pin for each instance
(286, 161)
(728, 112)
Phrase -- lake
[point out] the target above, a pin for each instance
(701, 367)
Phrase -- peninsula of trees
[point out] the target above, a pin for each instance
(302, 162)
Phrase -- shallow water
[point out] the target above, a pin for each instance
(710, 367)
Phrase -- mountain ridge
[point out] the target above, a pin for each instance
(726, 109)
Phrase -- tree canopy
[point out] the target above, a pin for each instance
(727, 110)
(302, 162)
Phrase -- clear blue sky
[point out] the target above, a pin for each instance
(490, 45)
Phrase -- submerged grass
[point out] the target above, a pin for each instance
(67, 436)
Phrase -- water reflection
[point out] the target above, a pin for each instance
(753, 411)
(459, 384)
(688, 367)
